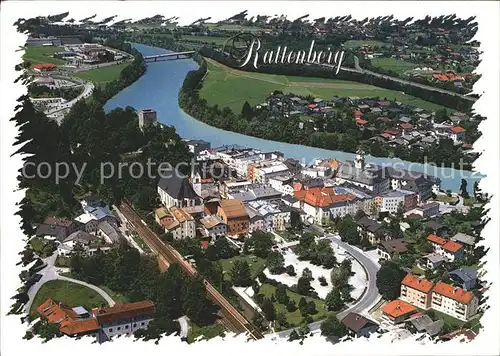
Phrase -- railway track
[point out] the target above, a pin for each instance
(233, 316)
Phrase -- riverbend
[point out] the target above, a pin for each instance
(159, 87)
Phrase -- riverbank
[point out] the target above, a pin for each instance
(159, 89)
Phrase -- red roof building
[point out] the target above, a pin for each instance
(44, 67)
(457, 129)
(361, 122)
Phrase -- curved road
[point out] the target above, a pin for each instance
(371, 295)
(50, 273)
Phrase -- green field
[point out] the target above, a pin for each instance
(295, 318)
(207, 332)
(206, 39)
(357, 44)
(225, 86)
(37, 55)
(396, 65)
(256, 264)
(103, 75)
(69, 293)
(117, 297)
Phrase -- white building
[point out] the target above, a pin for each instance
(283, 184)
(93, 216)
(213, 226)
(453, 301)
(183, 226)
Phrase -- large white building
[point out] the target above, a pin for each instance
(181, 192)
(454, 301)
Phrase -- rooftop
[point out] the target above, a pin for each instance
(233, 208)
(397, 308)
(124, 311)
(356, 322)
(457, 294)
(421, 285)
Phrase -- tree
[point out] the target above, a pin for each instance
(463, 189)
(290, 270)
(388, 282)
(262, 243)
(281, 295)
(294, 335)
(322, 281)
(241, 276)
(275, 262)
(224, 249)
(311, 308)
(303, 286)
(268, 309)
(281, 320)
(303, 306)
(333, 327)
(348, 230)
(295, 220)
(46, 330)
(306, 273)
(291, 306)
(246, 111)
(333, 300)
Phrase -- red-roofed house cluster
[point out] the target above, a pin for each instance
(103, 323)
(423, 294)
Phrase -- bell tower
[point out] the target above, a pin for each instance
(359, 162)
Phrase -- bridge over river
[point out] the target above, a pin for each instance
(167, 56)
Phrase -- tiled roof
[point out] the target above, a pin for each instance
(398, 308)
(124, 311)
(233, 208)
(454, 293)
(457, 129)
(356, 322)
(180, 215)
(322, 197)
(161, 212)
(452, 246)
(58, 221)
(73, 327)
(421, 285)
(436, 239)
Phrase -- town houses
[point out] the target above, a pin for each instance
(419, 293)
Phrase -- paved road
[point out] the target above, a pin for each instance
(371, 296)
(50, 273)
(87, 91)
(358, 69)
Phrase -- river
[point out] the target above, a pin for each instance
(158, 89)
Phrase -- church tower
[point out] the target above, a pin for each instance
(359, 162)
(196, 180)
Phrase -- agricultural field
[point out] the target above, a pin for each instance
(362, 43)
(43, 54)
(229, 87)
(103, 75)
(205, 39)
(395, 65)
(69, 293)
